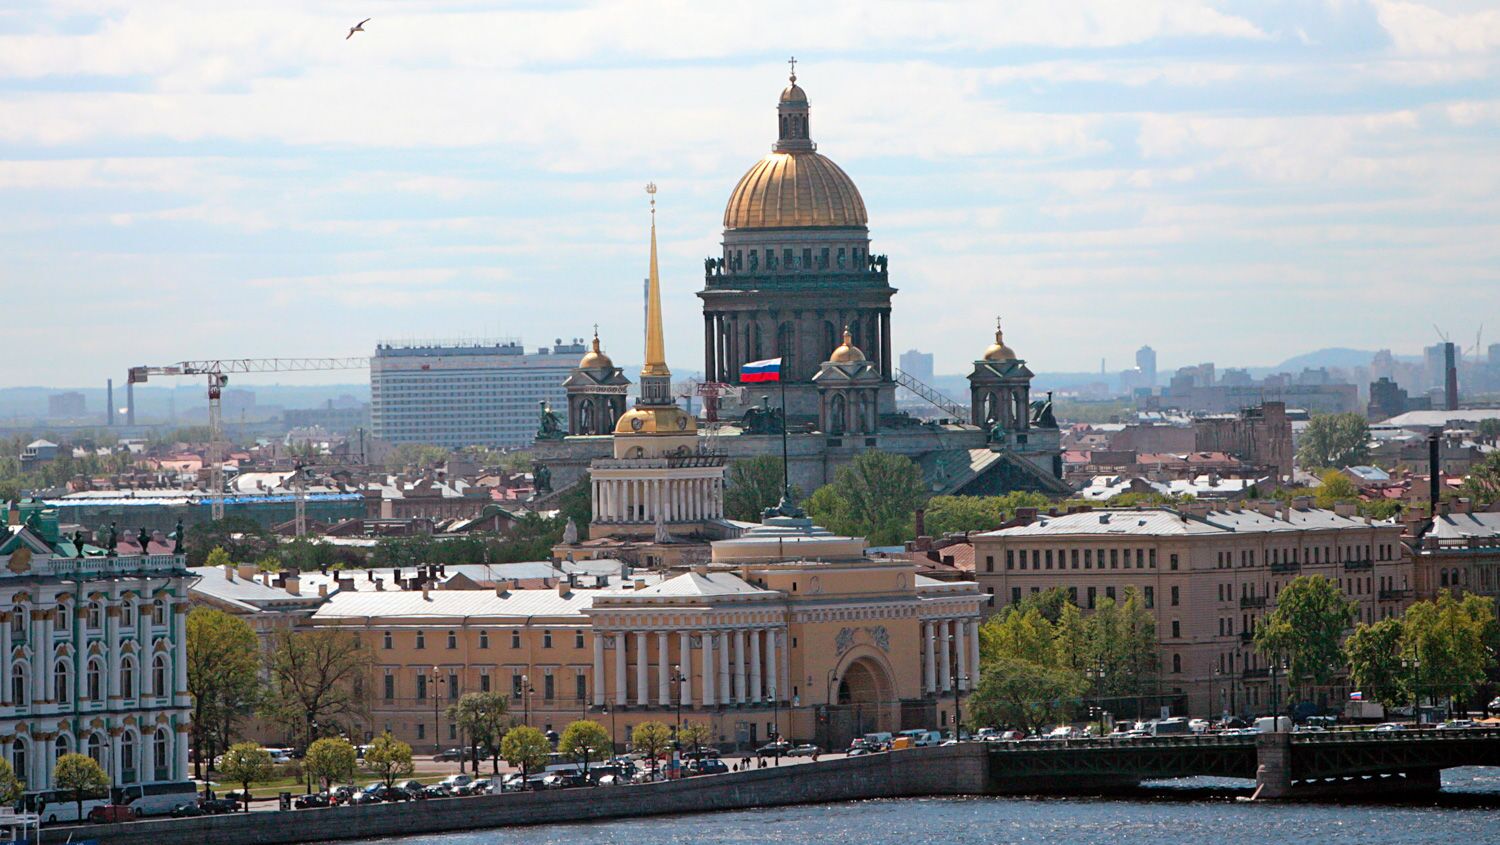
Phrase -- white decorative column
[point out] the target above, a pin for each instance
(961, 652)
(642, 676)
(757, 691)
(773, 687)
(945, 635)
(929, 670)
(184, 743)
(598, 669)
(41, 657)
(663, 672)
(112, 638)
(710, 668)
(973, 654)
(685, 664)
(114, 768)
(725, 688)
(5, 649)
(739, 667)
(620, 679)
(179, 652)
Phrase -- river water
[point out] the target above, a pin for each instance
(1195, 813)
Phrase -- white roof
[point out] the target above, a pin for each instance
(458, 604)
(1431, 419)
(706, 585)
(1462, 526)
(1164, 522)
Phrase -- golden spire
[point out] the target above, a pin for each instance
(656, 353)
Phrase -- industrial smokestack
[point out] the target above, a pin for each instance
(109, 401)
(129, 402)
(1450, 376)
(1434, 464)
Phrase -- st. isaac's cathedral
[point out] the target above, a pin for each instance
(795, 279)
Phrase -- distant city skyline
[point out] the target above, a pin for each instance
(1229, 182)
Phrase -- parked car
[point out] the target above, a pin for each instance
(454, 782)
(806, 749)
(449, 755)
(709, 766)
(316, 799)
(482, 786)
(613, 780)
(771, 749)
(341, 794)
(111, 813)
(363, 797)
(219, 806)
(186, 809)
(436, 790)
(1457, 725)
(1495, 704)
(1388, 727)
(564, 780)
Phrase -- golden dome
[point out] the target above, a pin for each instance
(793, 93)
(998, 351)
(848, 353)
(595, 359)
(666, 419)
(793, 190)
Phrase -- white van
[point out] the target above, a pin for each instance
(1273, 724)
(155, 799)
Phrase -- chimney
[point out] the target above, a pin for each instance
(1434, 465)
(1462, 505)
(564, 588)
(921, 521)
(426, 592)
(129, 402)
(379, 584)
(640, 583)
(228, 572)
(322, 591)
(1450, 376)
(247, 571)
(109, 400)
(502, 589)
(1347, 509)
(293, 584)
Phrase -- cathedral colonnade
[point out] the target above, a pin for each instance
(950, 655)
(802, 339)
(677, 498)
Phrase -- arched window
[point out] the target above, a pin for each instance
(63, 744)
(162, 753)
(18, 757)
(127, 677)
(127, 757)
(96, 616)
(159, 684)
(94, 680)
(20, 684)
(96, 749)
(62, 682)
(18, 617)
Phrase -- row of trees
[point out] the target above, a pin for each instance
(1039, 658)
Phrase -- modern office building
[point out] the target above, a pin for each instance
(96, 648)
(459, 394)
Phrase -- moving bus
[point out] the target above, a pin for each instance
(155, 799)
(57, 805)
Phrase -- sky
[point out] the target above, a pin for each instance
(1235, 182)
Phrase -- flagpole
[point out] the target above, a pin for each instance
(786, 484)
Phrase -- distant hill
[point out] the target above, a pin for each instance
(1335, 356)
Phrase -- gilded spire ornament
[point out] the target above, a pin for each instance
(656, 353)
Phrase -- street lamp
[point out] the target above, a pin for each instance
(526, 691)
(610, 712)
(828, 710)
(958, 712)
(677, 681)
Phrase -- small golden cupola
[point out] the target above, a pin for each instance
(998, 351)
(847, 353)
(595, 359)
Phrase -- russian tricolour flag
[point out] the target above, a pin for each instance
(1356, 696)
(758, 371)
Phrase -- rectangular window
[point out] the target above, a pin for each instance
(1150, 595)
(515, 639)
(1152, 560)
(1175, 594)
(1172, 563)
(991, 592)
(421, 687)
(1088, 558)
(549, 687)
(452, 730)
(546, 639)
(421, 730)
(1114, 558)
(452, 686)
(989, 563)
(1010, 558)
(1093, 591)
(387, 640)
(1073, 557)
(515, 686)
(578, 639)
(484, 682)
(390, 687)
(452, 639)
(1176, 629)
(484, 639)
(421, 639)
(1015, 595)
(580, 686)
(1049, 558)
(1073, 596)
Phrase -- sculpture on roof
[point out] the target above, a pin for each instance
(144, 538)
(542, 478)
(112, 540)
(78, 542)
(549, 426)
(177, 538)
(762, 419)
(570, 533)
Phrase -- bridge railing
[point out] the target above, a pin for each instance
(1191, 741)
(1410, 735)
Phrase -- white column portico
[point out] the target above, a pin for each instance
(773, 688)
(685, 651)
(642, 676)
(961, 653)
(929, 665)
(663, 676)
(724, 682)
(757, 691)
(599, 669)
(710, 669)
(945, 639)
(974, 653)
(739, 667)
(620, 680)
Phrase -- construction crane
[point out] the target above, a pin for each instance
(217, 372)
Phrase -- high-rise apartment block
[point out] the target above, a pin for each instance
(459, 394)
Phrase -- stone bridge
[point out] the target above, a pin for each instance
(1283, 765)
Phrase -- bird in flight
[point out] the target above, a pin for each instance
(359, 27)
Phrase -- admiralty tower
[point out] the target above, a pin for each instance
(796, 270)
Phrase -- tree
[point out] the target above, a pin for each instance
(80, 775)
(752, 485)
(11, 786)
(1334, 440)
(331, 760)
(1373, 652)
(389, 758)
(651, 739)
(585, 740)
(318, 679)
(1483, 481)
(246, 763)
(1025, 636)
(223, 678)
(1488, 428)
(218, 558)
(483, 718)
(1337, 488)
(694, 735)
(239, 537)
(1121, 647)
(1449, 643)
(1025, 694)
(1307, 629)
(956, 514)
(525, 747)
(875, 496)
